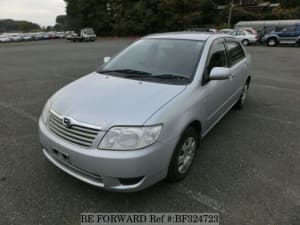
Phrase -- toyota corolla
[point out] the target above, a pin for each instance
(140, 117)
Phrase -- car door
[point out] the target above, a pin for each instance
(218, 92)
(237, 35)
(238, 65)
(291, 34)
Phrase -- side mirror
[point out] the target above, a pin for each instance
(106, 59)
(220, 73)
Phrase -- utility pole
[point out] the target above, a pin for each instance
(230, 12)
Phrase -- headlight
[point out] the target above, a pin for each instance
(45, 112)
(130, 138)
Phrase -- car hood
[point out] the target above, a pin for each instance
(106, 101)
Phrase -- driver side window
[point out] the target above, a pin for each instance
(217, 58)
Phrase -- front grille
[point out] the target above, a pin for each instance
(77, 134)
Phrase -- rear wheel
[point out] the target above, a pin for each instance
(183, 155)
(245, 42)
(272, 42)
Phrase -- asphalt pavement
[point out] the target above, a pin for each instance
(247, 167)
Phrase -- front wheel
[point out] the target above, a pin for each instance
(242, 100)
(272, 42)
(183, 155)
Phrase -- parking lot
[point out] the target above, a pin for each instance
(247, 167)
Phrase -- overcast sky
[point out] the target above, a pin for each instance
(42, 12)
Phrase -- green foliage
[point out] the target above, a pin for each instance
(137, 17)
(140, 17)
(61, 23)
(8, 25)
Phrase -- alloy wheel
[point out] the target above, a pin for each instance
(186, 155)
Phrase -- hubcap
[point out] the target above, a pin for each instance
(271, 42)
(186, 155)
(244, 94)
(245, 42)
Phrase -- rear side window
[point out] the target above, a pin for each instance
(235, 52)
(279, 28)
(290, 28)
(269, 29)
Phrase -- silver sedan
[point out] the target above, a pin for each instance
(140, 117)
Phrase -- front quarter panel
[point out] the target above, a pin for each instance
(187, 107)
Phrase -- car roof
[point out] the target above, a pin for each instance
(198, 36)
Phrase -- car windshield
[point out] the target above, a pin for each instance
(158, 60)
(89, 31)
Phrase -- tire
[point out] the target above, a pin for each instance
(272, 42)
(183, 155)
(245, 42)
(242, 100)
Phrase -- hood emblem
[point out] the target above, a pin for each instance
(67, 122)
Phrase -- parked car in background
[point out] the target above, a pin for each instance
(32, 36)
(244, 37)
(15, 37)
(52, 34)
(37, 36)
(287, 35)
(60, 34)
(4, 38)
(45, 35)
(26, 37)
(86, 34)
(170, 91)
(264, 27)
(250, 30)
(70, 34)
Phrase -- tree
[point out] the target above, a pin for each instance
(140, 17)
(9, 25)
(61, 22)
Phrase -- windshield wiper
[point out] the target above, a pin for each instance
(159, 77)
(126, 71)
(129, 73)
(170, 77)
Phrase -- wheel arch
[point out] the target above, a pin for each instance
(273, 37)
(248, 81)
(245, 39)
(196, 124)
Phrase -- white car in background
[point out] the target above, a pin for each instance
(26, 37)
(60, 34)
(4, 38)
(38, 36)
(244, 37)
(15, 37)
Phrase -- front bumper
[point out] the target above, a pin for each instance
(112, 170)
